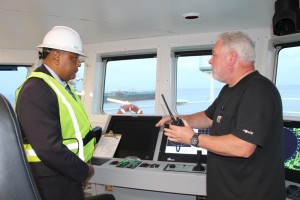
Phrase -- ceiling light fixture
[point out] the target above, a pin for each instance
(191, 15)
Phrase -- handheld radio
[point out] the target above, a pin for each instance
(174, 121)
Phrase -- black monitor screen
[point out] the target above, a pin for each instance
(170, 151)
(139, 135)
(292, 150)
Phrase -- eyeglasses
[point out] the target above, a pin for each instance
(75, 58)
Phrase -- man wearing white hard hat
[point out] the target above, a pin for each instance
(58, 138)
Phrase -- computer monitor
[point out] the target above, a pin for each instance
(139, 135)
(170, 151)
(292, 150)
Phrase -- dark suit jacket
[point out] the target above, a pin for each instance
(38, 114)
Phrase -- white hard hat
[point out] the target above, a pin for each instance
(63, 38)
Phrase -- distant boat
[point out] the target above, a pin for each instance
(121, 96)
(181, 102)
(130, 95)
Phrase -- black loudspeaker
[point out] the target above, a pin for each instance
(286, 19)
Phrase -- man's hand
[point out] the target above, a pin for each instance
(91, 172)
(163, 121)
(181, 134)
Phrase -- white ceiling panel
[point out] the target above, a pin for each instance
(24, 23)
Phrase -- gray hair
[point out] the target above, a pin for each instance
(241, 43)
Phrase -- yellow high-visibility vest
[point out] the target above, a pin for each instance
(74, 121)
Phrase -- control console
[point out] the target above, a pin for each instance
(163, 178)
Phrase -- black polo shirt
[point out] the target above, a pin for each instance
(252, 111)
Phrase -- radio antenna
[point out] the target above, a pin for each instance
(171, 115)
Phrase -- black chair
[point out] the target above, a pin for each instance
(16, 180)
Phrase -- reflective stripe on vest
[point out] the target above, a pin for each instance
(32, 157)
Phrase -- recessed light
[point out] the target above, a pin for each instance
(191, 15)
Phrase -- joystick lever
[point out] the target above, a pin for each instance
(199, 166)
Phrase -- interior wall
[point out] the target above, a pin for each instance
(18, 56)
(163, 46)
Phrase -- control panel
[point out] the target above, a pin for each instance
(134, 162)
(158, 176)
(138, 171)
(185, 167)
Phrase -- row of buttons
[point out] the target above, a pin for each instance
(132, 164)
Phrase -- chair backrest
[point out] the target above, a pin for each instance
(16, 180)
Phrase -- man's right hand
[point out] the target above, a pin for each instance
(91, 172)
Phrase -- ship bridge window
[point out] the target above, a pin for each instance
(129, 84)
(287, 77)
(195, 87)
(11, 77)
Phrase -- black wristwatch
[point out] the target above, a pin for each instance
(194, 140)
